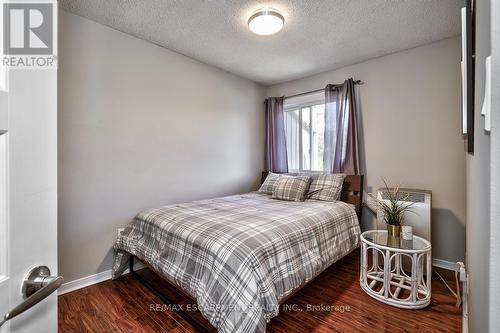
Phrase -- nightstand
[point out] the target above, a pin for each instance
(396, 271)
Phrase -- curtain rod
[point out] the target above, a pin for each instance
(317, 90)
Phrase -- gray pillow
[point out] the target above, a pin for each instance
(326, 187)
(291, 188)
(268, 184)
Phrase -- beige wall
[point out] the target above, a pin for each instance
(478, 188)
(494, 283)
(140, 126)
(410, 124)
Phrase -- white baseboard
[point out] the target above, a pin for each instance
(445, 264)
(106, 275)
(90, 280)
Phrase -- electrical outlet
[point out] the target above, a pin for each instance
(120, 230)
(462, 271)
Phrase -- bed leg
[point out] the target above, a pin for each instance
(131, 264)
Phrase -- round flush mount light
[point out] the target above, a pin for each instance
(266, 22)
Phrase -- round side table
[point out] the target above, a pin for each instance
(396, 271)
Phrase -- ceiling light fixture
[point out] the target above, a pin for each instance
(266, 22)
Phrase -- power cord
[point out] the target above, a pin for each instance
(457, 293)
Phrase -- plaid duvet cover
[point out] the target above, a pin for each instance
(238, 256)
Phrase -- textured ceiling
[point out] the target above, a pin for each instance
(318, 35)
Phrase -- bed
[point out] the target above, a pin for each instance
(239, 257)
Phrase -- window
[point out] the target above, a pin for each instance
(304, 131)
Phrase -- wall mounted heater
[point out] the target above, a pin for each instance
(419, 217)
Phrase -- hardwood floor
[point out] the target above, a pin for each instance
(124, 305)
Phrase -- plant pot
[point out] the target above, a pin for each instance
(393, 230)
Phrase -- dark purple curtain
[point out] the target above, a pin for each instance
(341, 151)
(276, 159)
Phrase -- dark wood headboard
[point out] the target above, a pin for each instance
(352, 191)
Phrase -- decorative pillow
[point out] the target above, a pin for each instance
(291, 188)
(326, 187)
(269, 184)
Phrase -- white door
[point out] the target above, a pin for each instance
(28, 195)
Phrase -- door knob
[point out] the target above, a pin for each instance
(37, 279)
(37, 285)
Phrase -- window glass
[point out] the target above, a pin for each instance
(305, 132)
(318, 136)
(306, 139)
(292, 139)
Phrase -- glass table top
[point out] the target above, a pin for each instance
(380, 237)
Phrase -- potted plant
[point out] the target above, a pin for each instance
(394, 206)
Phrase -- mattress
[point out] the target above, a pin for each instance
(239, 256)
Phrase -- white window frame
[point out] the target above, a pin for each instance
(299, 103)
